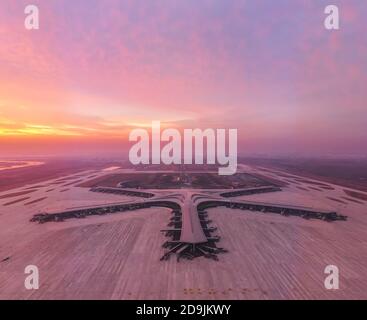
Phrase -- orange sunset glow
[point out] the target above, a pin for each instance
(95, 70)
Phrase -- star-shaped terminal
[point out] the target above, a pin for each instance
(190, 231)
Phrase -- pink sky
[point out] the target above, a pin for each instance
(96, 69)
